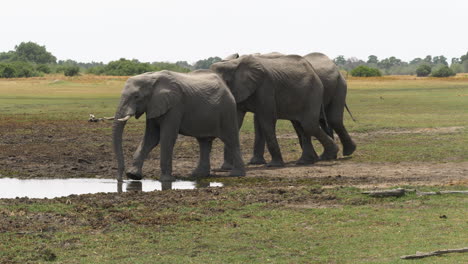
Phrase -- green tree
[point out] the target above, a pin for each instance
(71, 70)
(415, 61)
(364, 71)
(43, 68)
(440, 60)
(32, 52)
(7, 70)
(428, 59)
(443, 71)
(206, 63)
(340, 60)
(423, 70)
(372, 59)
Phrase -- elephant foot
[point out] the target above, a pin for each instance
(306, 161)
(237, 173)
(166, 178)
(226, 166)
(349, 149)
(134, 174)
(257, 160)
(275, 164)
(328, 156)
(201, 172)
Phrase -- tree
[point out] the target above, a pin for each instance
(423, 70)
(372, 59)
(415, 61)
(32, 52)
(456, 61)
(440, 60)
(206, 63)
(71, 70)
(428, 59)
(340, 60)
(364, 71)
(443, 71)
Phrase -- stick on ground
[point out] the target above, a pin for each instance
(434, 253)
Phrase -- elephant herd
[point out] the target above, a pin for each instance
(207, 104)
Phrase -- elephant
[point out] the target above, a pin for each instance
(278, 87)
(334, 102)
(197, 104)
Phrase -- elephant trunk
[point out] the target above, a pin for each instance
(117, 133)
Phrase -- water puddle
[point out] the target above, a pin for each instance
(51, 188)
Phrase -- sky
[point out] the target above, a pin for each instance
(190, 30)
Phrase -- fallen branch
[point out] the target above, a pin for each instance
(441, 192)
(434, 253)
(386, 193)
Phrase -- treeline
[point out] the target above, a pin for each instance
(29, 59)
(437, 66)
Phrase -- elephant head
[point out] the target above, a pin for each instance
(150, 93)
(242, 75)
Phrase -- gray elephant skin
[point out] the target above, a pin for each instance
(283, 87)
(334, 102)
(197, 104)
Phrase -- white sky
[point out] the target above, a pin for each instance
(172, 30)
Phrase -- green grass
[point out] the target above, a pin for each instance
(376, 231)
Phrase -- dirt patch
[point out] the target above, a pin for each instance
(66, 149)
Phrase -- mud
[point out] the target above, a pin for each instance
(77, 149)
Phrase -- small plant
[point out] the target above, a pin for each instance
(443, 71)
(71, 70)
(423, 70)
(364, 71)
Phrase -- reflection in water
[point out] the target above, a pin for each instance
(51, 188)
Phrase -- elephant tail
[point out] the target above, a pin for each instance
(349, 112)
(324, 122)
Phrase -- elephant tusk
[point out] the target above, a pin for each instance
(125, 118)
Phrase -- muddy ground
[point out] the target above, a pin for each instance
(64, 149)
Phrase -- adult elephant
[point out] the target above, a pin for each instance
(283, 87)
(334, 102)
(197, 104)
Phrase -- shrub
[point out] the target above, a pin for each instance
(364, 71)
(423, 70)
(443, 71)
(43, 68)
(71, 70)
(7, 71)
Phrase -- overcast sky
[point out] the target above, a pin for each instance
(173, 30)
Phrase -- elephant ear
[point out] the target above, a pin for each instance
(166, 94)
(248, 76)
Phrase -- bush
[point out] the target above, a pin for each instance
(7, 71)
(17, 69)
(71, 70)
(43, 68)
(364, 71)
(423, 70)
(443, 71)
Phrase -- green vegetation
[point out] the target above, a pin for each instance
(227, 228)
(443, 71)
(71, 70)
(364, 71)
(423, 70)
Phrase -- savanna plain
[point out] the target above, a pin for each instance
(410, 132)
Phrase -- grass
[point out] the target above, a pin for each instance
(251, 220)
(376, 231)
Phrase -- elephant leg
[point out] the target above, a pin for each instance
(268, 126)
(309, 156)
(228, 158)
(230, 138)
(259, 144)
(149, 141)
(169, 133)
(335, 119)
(330, 148)
(203, 168)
